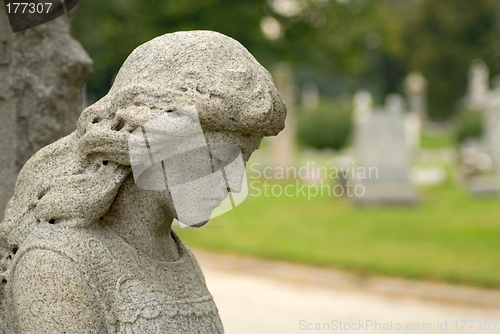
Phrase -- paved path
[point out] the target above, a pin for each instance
(262, 297)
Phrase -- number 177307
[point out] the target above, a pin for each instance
(28, 7)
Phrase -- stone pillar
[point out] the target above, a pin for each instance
(8, 170)
(310, 96)
(416, 94)
(363, 106)
(478, 85)
(492, 136)
(283, 145)
(42, 71)
(362, 112)
(394, 103)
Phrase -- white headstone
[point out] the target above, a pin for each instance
(283, 145)
(363, 105)
(416, 94)
(492, 137)
(383, 145)
(310, 96)
(413, 126)
(478, 85)
(394, 103)
(384, 156)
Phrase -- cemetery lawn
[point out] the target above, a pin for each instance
(450, 237)
(437, 138)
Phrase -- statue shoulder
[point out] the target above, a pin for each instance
(50, 293)
(51, 286)
(74, 243)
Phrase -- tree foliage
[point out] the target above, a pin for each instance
(443, 38)
(328, 35)
(348, 44)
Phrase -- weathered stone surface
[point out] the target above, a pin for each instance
(8, 170)
(48, 70)
(87, 249)
(42, 71)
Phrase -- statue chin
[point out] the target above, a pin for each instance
(200, 224)
(200, 217)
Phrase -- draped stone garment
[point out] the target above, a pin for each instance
(136, 294)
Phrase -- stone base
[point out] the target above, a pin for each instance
(485, 185)
(387, 193)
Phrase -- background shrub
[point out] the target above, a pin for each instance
(328, 126)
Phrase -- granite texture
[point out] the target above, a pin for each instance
(42, 71)
(85, 250)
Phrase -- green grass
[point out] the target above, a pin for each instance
(437, 139)
(450, 237)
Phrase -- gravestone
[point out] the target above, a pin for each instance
(413, 128)
(310, 97)
(363, 106)
(42, 71)
(416, 94)
(283, 146)
(492, 136)
(384, 156)
(478, 86)
(480, 158)
(486, 156)
(362, 112)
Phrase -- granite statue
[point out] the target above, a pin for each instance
(86, 240)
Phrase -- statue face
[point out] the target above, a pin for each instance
(171, 153)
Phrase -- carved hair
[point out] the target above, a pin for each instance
(231, 90)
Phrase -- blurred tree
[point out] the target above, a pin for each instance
(443, 38)
(344, 44)
(331, 36)
(110, 30)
